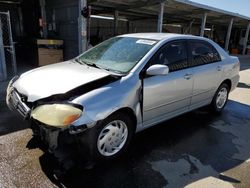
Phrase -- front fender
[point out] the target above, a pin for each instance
(102, 102)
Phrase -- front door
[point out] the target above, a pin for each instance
(165, 96)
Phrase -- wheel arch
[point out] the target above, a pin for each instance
(128, 111)
(228, 82)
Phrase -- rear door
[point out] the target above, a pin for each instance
(207, 71)
(168, 95)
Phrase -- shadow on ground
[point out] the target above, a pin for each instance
(243, 85)
(175, 153)
(10, 121)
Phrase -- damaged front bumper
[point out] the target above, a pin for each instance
(52, 137)
(63, 145)
(68, 149)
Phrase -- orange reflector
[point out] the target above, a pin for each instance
(68, 120)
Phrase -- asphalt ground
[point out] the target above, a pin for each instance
(197, 149)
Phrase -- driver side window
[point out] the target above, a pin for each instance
(174, 55)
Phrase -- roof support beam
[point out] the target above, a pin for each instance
(139, 4)
(82, 28)
(246, 39)
(160, 18)
(124, 7)
(3, 69)
(116, 14)
(128, 26)
(229, 29)
(43, 13)
(203, 24)
(212, 32)
(189, 28)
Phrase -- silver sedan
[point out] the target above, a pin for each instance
(120, 87)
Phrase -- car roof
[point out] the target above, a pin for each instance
(160, 36)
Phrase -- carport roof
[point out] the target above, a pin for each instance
(175, 11)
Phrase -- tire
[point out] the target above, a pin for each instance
(220, 99)
(111, 137)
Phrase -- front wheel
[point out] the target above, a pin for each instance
(111, 137)
(220, 98)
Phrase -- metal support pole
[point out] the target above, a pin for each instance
(82, 28)
(3, 69)
(160, 18)
(189, 28)
(43, 14)
(229, 29)
(12, 46)
(246, 39)
(212, 32)
(116, 14)
(203, 24)
(20, 17)
(89, 28)
(128, 26)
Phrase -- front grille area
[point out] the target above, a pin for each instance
(16, 102)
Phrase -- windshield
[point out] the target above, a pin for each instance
(119, 54)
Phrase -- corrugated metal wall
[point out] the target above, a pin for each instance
(65, 26)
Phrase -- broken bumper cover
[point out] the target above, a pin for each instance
(63, 145)
(53, 138)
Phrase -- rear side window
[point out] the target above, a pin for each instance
(201, 52)
(174, 55)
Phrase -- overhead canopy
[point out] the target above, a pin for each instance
(11, 1)
(175, 11)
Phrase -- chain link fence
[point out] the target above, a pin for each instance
(7, 48)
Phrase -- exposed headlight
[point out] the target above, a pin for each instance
(57, 115)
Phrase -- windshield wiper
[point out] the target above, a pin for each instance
(107, 69)
(79, 61)
(93, 65)
(97, 66)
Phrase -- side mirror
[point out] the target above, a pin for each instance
(157, 69)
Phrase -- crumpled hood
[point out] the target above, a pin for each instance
(56, 79)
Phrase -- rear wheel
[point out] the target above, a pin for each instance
(220, 98)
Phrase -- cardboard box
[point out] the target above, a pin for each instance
(49, 51)
(234, 51)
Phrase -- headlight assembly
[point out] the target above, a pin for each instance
(57, 115)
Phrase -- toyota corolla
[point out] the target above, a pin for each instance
(124, 85)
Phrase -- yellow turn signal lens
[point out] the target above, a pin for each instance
(68, 120)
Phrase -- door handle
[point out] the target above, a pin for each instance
(219, 68)
(188, 76)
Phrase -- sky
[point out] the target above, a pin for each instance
(238, 6)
